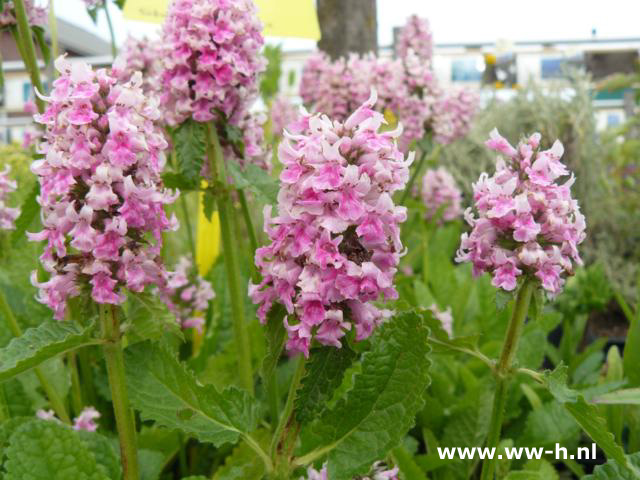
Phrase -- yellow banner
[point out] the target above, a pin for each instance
(281, 18)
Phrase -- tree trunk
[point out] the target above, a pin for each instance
(347, 26)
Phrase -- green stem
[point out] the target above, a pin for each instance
(125, 420)
(412, 179)
(231, 259)
(287, 414)
(28, 50)
(76, 390)
(253, 238)
(274, 400)
(503, 371)
(55, 400)
(114, 49)
(53, 33)
(187, 226)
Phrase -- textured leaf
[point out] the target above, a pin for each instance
(407, 466)
(177, 180)
(6, 430)
(42, 343)
(243, 463)
(28, 212)
(17, 399)
(548, 425)
(255, 179)
(534, 470)
(376, 413)
(325, 370)
(102, 448)
(631, 358)
(627, 396)
(276, 335)
(151, 464)
(47, 450)
(165, 392)
(612, 470)
(190, 150)
(150, 318)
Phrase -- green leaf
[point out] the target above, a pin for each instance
(42, 343)
(503, 298)
(149, 318)
(380, 408)
(276, 336)
(164, 391)
(613, 471)
(176, 180)
(208, 204)
(28, 212)
(627, 396)
(17, 399)
(190, 150)
(243, 463)
(93, 13)
(7, 428)
(151, 464)
(631, 358)
(255, 179)
(548, 425)
(102, 448)
(407, 466)
(48, 450)
(538, 469)
(556, 383)
(325, 370)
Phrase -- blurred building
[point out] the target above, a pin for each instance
(500, 68)
(73, 40)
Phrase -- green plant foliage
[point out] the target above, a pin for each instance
(379, 409)
(164, 391)
(243, 463)
(613, 471)
(190, 151)
(42, 343)
(47, 450)
(255, 179)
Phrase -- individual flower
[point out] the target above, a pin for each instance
(37, 16)
(527, 222)
(379, 471)
(8, 215)
(452, 115)
(86, 420)
(210, 59)
(444, 317)
(186, 294)
(335, 244)
(415, 36)
(283, 112)
(101, 193)
(441, 195)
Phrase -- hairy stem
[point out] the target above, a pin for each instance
(28, 50)
(251, 231)
(57, 403)
(287, 414)
(503, 371)
(114, 49)
(231, 259)
(125, 420)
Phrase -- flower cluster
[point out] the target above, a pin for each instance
(186, 294)
(85, 421)
(139, 55)
(8, 215)
(100, 188)
(441, 195)
(415, 36)
(452, 115)
(379, 471)
(527, 222)
(335, 244)
(37, 16)
(254, 151)
(211, 59)
(283, 112)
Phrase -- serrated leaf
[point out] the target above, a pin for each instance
(556, 383)
(176, 180)
(243, 463)
(613, 471)
(48, 450)
(190, 150)
(324, 373)
(627, 396)
(208, 204)
(28, 212)
(256, 180)
(164, 391)
(380, 408)
(275, 335)
(102, 448)
(548, 425)
(149, 318)
(42, 343)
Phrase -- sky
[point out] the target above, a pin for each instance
(452, 21)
